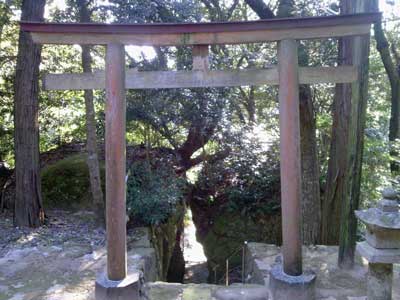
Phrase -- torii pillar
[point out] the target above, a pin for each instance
(287, 279)
(116, 283)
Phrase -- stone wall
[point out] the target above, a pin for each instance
(139, 244)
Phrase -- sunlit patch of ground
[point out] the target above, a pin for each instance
(195, 260)
(59, 261)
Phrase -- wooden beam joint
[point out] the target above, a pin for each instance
(200, 58)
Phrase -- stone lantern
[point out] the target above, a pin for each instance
(382, 245)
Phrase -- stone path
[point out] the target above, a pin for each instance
(332, 283)
(195, 260)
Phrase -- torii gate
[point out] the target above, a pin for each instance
(287, 75)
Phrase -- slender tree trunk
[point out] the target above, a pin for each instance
(28, 201)
(91, 137)
(393, 73)
(310, 194)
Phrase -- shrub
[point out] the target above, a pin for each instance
(153, 192)
(66, 184)
(247, 181)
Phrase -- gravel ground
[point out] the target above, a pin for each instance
(60, 260)
(57, 261)
(62, 226)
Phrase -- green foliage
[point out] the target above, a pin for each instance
(153, 192)
(65, 184)
(140, 11)
(163, 118)
(8, 51)
(248, 180)
(255, 187)
(376, 170)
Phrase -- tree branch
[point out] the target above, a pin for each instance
(382, 45)
(232, 9)
(207, 157)
(261, 9)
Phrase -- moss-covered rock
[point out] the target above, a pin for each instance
(164, 239)
(66, 185)
(223, 231)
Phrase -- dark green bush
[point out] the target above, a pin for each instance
(247, 181)
(66, 185)
(153, 192)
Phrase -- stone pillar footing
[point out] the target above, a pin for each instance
(126, 289)
(283, 286)
(380, 278)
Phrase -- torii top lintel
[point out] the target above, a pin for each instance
(168, 34)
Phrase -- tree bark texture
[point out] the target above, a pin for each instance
(310, 192)
(393, 73)
(335, 190)
(359, 93)
(28, 201)
(91, 137)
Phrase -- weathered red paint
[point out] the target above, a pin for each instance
(290, 160)
(210, 27)
(115, 162)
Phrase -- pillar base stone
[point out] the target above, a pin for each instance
(126, 289)
(283, 286)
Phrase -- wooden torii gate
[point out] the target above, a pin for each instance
(115, 79)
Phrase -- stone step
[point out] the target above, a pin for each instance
(177, 291)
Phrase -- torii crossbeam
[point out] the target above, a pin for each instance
(200, 35)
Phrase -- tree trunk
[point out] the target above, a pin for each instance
(310, 193)
(337, 174)
(28, 201)
(357, 117)
(393, 73)
(91, 137)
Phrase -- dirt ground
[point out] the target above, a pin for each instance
(55, 262)
(61, 260)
